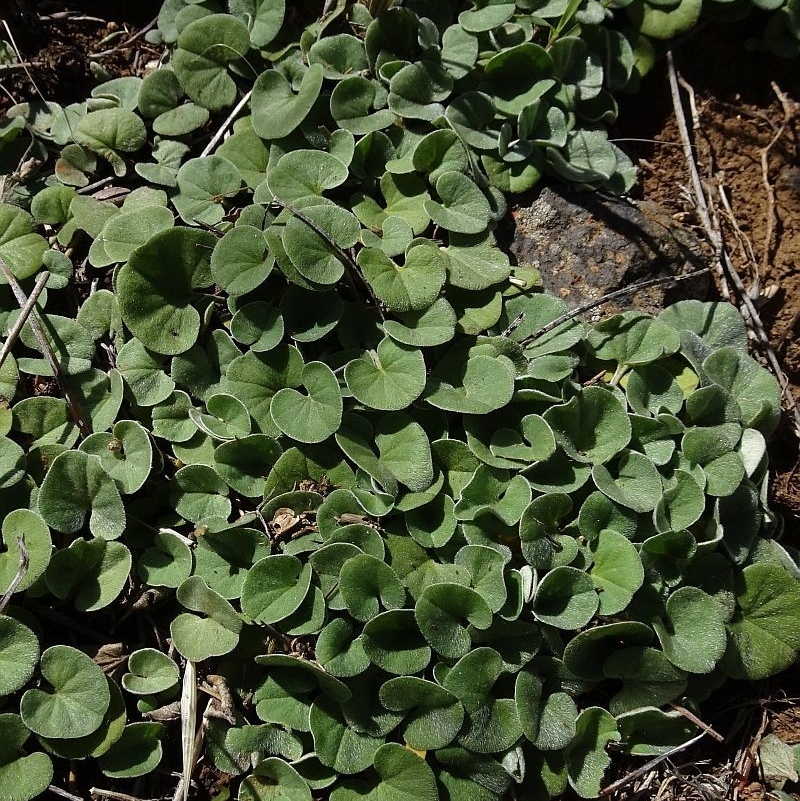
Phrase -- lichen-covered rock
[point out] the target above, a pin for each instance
(587, 245)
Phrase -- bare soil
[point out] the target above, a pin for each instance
(747, 145)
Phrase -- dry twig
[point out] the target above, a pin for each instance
(17, 580)
(25, 312)
(713, 232)
(47, 351)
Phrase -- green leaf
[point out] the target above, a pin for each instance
(717, 323)
(20, 248)
(693, 632)
(240, 262)
(393, 642)
(633, 338)
(464, 208)
(313, 417)
(587, 759)
(275, 587)
(77, 702)
(19, 653)
(441, 611)
(487, 384)
(22, 778)
(313, 255)
(126, 231)
(763, 635)
(203, 184)
(471, 678)
(681, 505)
(336, 744)
(150, 672)
(339, 651)
(94, 571)
(665, 22)
(412, 287)
(303, 173)
(165, 563)
(264, 18)
(631, 481)
(143, 374)
(137, 752)
(353, 106)
(198, 638)
(274, 780)
(205, 48)
(649, 678)
(648, 731)
(544, 544)
(617, 571)
(586, 653)
(389, 378)
(28, 526)
(366, 584)
(475, 262)
(592, 426)
(75, 485)
(224, 557)
(108, 131)
(434, 715)
(401, 776)
(417, 90)
(156, 303)
(197, 492)
(405, 196)
(519, 76)
(272, 90)
(126, 454)
(427, 328)
(566, 598)
(755, 389)
(255, 378)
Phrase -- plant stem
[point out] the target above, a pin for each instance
(628, 290)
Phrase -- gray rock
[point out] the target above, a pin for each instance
(587, 245)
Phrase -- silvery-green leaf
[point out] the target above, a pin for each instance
(205, 48)
(272, 90)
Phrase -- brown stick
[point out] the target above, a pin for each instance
(47, 351)
(41, 282)
(17, 580)
(714, 234)
(648, 766)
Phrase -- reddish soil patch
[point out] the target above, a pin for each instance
(747, 147)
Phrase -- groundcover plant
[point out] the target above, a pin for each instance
(421, 533)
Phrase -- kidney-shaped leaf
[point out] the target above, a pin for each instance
(205, 47)
(277, 110)
(19, 653)
(402, 775)
(764, 635)
(441, 612)
(388, 378)
(155, 288)
(274, 780)
(275, 587)
(566, 598)
(198, 638)
(78, 700)
(76, 484)
(311, 417)
(150, 672)
(693, 634)
(28, 526)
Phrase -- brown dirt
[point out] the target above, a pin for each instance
(748, 110)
